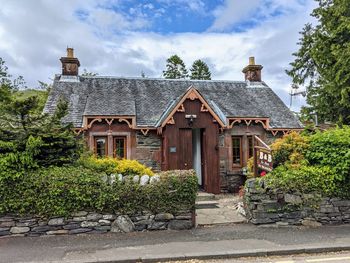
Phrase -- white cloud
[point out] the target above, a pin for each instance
(233, 11)
(33, 40)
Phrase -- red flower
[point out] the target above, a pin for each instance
(263, 173)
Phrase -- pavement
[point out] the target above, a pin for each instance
(220, 241)
(223, 211)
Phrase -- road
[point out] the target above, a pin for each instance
(235, 241)
(340, 257)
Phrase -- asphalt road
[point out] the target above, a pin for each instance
(338, 257)
(202, 243)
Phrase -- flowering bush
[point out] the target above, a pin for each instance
(110, 165)
(125, 166)
(290, 148)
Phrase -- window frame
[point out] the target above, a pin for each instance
(106, 145)
(250, 148)
(236, 165)
(125, 146)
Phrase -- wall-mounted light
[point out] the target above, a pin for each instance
(190, 118)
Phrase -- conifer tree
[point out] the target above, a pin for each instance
(29, 136)
(175, 68)
(322, 62)
(200, 70)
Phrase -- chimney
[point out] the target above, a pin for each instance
(70, 64)
(252, 72)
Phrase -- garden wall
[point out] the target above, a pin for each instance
(265, 206)
(90, 222)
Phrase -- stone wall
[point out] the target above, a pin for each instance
(264, 206)
(90, 222)
(148, 150)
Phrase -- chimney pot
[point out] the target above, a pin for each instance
(252, 72)
(70, 52)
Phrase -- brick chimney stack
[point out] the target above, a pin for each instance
(70, 64)
(252, 72)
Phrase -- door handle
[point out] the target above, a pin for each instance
(185, 164)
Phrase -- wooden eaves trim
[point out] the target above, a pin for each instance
(264, 121)
(129, 120)
(191, 94)
(275, 131)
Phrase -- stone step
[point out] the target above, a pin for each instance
(206, 204)
(202, 196)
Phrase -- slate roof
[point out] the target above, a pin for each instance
(150, 99)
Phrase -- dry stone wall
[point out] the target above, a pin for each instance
(91, 222)
(265, 206)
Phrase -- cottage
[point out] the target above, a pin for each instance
(174, 124)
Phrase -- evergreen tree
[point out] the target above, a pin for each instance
(29, 138)
(200, 70)
(322, 62)
(175, 68)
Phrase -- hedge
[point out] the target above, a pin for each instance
(60, 191)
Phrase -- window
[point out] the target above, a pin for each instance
(101, 146)
(250, 147)
(119, 147)
(237, 151)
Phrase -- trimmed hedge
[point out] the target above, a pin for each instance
(60, 191)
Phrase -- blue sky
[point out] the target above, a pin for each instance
(196, 16)
(127, 37)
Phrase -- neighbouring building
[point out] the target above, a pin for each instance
(207, 125)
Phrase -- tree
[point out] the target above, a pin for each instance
(29, 138)
(200, 70)
(322, 62)
(175, 68)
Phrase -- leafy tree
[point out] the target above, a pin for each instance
(175, 68)
(200, 70)
(322, 62)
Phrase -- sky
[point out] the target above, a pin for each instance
(127, 37)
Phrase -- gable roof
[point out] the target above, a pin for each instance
(149, 100)
(191, 93)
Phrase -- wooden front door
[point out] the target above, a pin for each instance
(178, 144)
(185, 149)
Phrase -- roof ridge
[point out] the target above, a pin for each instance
(164, 79)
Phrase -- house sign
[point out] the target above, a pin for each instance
(264, 159)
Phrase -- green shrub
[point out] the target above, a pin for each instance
(304, 179)
(318, 162)
(59, 191)
(331, 148)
